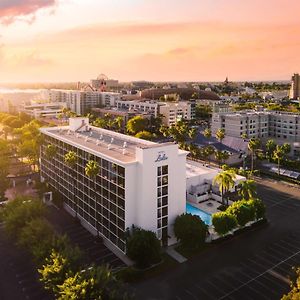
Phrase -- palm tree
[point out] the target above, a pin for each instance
(220, 135)
(279, 154)
(71, 159)
(192, 133)
(221, 156)
(50, 151)
(225, 180)
(207, 133)
(209, 150)
(119, 123)
(92, 170)
(244, 136)
(253, 145)
(247, 189)
(270, 147)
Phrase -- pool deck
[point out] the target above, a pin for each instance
(211, 208)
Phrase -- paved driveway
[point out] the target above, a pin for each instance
(254, 265)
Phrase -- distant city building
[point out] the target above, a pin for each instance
(43, 110)
(139, 106)
(103, 83)
(281, 126)
(173, 112)
(81, 101)
(184, 93)
(295, 87)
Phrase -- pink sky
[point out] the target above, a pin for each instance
(192, 40)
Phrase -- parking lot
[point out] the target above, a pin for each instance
(255, 265)
(95, 251)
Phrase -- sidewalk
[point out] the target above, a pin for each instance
(175, 255)
(21, 189)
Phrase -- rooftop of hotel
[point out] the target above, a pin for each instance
(195, 169)
(96, 140)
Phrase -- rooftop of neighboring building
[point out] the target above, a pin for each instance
(229, 143)
(185, 93)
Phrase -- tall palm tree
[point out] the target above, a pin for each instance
(270, 147)
(225, 180)
(221, 156)
(71, 159)
(253, 145)
(207, 133)
(247, 189)
(209, 150)
(192, 133)
(119, 123)
(279, 154)
(220, 135)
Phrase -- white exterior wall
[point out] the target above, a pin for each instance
(146, 183)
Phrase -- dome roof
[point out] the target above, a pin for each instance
(102, 77)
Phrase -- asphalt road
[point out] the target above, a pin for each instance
(254, 265)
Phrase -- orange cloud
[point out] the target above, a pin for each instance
(12, 10)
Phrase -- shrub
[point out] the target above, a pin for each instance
(223, 222)
(144, 248)
(20, 211)
(259, 208)
(242, 211)
(190, 230)
(36, 236)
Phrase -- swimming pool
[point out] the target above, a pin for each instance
(205, 217)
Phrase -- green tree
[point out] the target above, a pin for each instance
(270, 147)
(164, 130)
(71, 159)
(19, 212)
(207, 133)
(145, 135)
(118, 123)
(253, 145)
(247, 189)
(143, 247)
(221, 156)
(259, 207)
(54, 272)
(244, 136)
(279, 155)
(190, 230)
(136, 124)
(242, 211)
(223, 222)
(92, 169)
(36, 236)
(192, 133)
(220, 135)
(294, 293)
(50, 151)
(208, 151)
(225, 180)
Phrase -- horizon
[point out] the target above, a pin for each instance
(195, 41)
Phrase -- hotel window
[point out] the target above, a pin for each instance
(162, 203)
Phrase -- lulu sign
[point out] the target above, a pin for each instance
(161, 156)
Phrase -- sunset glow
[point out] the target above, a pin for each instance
(70, 40)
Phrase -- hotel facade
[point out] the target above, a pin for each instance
(140, 183)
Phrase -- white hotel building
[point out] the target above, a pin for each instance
(140, 183)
